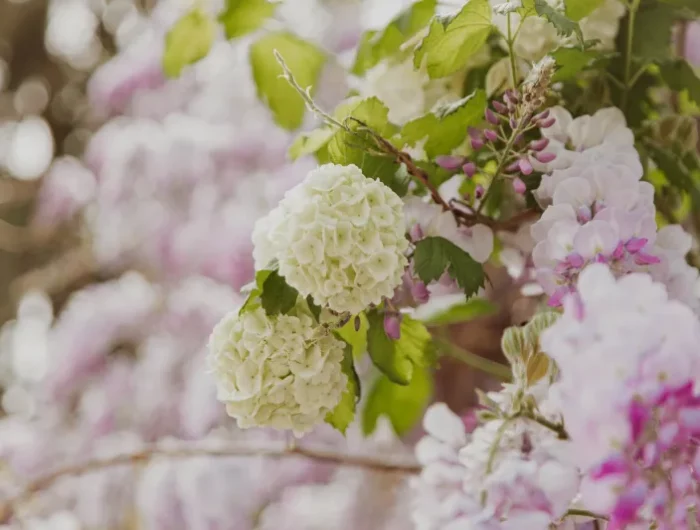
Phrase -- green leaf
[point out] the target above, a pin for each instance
(445, 126)
(240, 17)
(403, 405)
(343, 414)
(690, 6)
(277, 296)
(564, 25)
(253, 299)
(315, 310)
(357, 338)
(188, 41)
(450, 42)
(309, 143)
(377, 45)
(677, 172)
(398, 358)
(679, 76)
(653, 26)
(476, 307)
(304, 60)
(578, 9)
(571, 61)
(352, 146)
(435, 254)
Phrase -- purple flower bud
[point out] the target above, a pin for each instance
(491, 117)
(575, 260)
(599, 258)
(512, 95)
(545, 158)
(583, 214)
(539, 145)
(500, 107)
(477, 143)
(474, 132)
(479, 191)
(513, 122)
(525, 166)
(448, 162)
(491, 135)
(519, 140)
(416, 232)
(635, 244)
(469, 169)
(519, 186)
(392, 325)
(542, 115)
(545, 124)
(619, 251)
(420, 292)
(642, 258)
(512, 168)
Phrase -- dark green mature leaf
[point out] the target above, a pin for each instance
(277, 296)
(188, 41)
(304, 60)
(377, 45)
(571, 61)
(476, 307)
(435, 254)
(315, 310)
(578, 9)
(446, 125)
(564, 25)
(255, 290)
(690, 6)
(397, 359)
(343, 414)
(679, 76)
(451, 41)
(403, 405)
(241, 17)
(653, 27)
(677, 171)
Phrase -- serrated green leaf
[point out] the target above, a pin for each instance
(469, 310)
(398, 358)
(309, 143)
(377, 45)
(277, 296)
(241, 17)
(679, 76)
(450, 42)
(403, 405)
(304, 60)
(445, 127)
(343, 414)
(564, 25)
(255, 290)
(571, 61)
(653, 26)
(188, 41)
(578, 9)
(435, 254)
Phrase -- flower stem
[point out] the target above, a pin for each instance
(498, 370)
(501, 163)
(634, 5)
(584, 513)
(511, 54)
(557, 428)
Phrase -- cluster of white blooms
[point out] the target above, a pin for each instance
(282, 371)
(338, 236)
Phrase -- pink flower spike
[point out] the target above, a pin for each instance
(448, 162)
(479, 191)
(519, 186)
(547, 123)
(500, 107)
(545, 158)
(539, 145)
(420, 292)
(392, 326)
(491, 117)
(556, 299)
(635, 244)
(469, 169)
(619, 251)
(525, 166)
(491, 135)
(416, 232)
(642, 258)
(477, 143)
(599, 258)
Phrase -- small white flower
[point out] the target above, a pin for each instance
(339, 237)
(282, 371)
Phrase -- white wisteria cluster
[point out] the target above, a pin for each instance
(338, 237)
(279, 371)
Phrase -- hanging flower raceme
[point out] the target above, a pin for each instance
(338, 237)
(279, 371)
(624, 344)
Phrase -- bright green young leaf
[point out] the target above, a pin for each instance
(343, 414)
(188, 41)
(309, 143)
(398, 358)
(277, 296)
(564, 25)
(255, 290)
(578, 9)
(403, 405)
(435, 254)
(446, 125)
(679, 76)
(304, 60)
(571, 61)
(357, 338)
(471, 309)
(450, 42)
(241, 17)
(377, 45)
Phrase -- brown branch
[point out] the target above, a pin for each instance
(8, 507)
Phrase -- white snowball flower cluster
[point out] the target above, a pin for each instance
(279, 371)
(338, 236)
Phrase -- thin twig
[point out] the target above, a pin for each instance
(557, 428)
(385, 465)
(584, 513)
